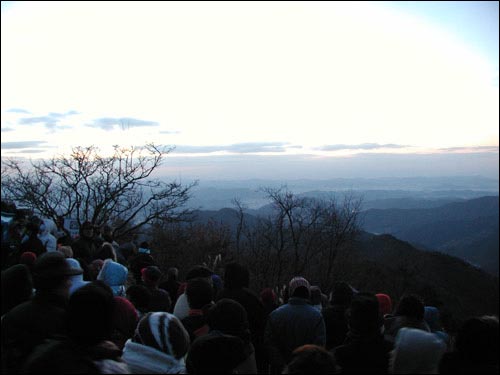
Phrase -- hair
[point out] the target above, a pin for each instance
(301, 292)
(311, 359)
(172, 273)
(236, 276)
(67, 251)
(411, 306)
(199, 293)
(342, 294)
(107, 252)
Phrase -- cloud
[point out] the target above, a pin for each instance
(18, 110)
(170, 132)
(5, 130)
(240, 148)
(62, 115)
(474, 148)
(38, 120)
(362, 146)
(108, 123)
(22, 145)
(51, 121)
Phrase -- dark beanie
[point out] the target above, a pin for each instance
(229, 317)
(90, 314)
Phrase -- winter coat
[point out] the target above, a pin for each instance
(84, 248)
(336, 325)
(416, 352)
(28, 325)
(115, 275)
(65, 356)
(364, 354)
(292, 325)
(48, 240)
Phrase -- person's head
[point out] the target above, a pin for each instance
(342, 293)
(95, 267)
(477, 340)
(17, 286)
(124, 321)
(172, 274)
(311, 359)
(363, 314)
(76, 280)
(384, 303)
(90, 314)
(107, 251)
(164, 332)
(140, 296)
(411, 306)
(67, 251)
(416, 352)
(199, 271)
(215, 354)
(51, 273)
(151, 275)
(199, 293)
(87, 230)
(107, 233)
(229, 317)
(236, 276)
(432, 318)
(28, 258)
(299, 287)
(268, 297)
(315, 295)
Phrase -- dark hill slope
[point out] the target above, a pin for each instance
(467, 229)
(384, 264)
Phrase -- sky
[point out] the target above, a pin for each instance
(258, 89)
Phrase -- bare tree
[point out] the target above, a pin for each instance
(87, 186)
(302, 236)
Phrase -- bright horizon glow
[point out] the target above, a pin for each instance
(272, 78)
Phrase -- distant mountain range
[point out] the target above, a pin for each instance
(467, 229)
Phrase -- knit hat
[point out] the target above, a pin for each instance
(77, 280)
(384, 304)
(151, 273)
(215, 354)
(124, 317)
(198, 271)
(164, 332)
(27, 258)
(229, 317)
(297, 282)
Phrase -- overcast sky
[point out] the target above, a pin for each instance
(323, 89)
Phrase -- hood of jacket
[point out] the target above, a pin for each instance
(113, 273)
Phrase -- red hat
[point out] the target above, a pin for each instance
(27, 258)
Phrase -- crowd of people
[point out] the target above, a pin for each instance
(91, 305)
